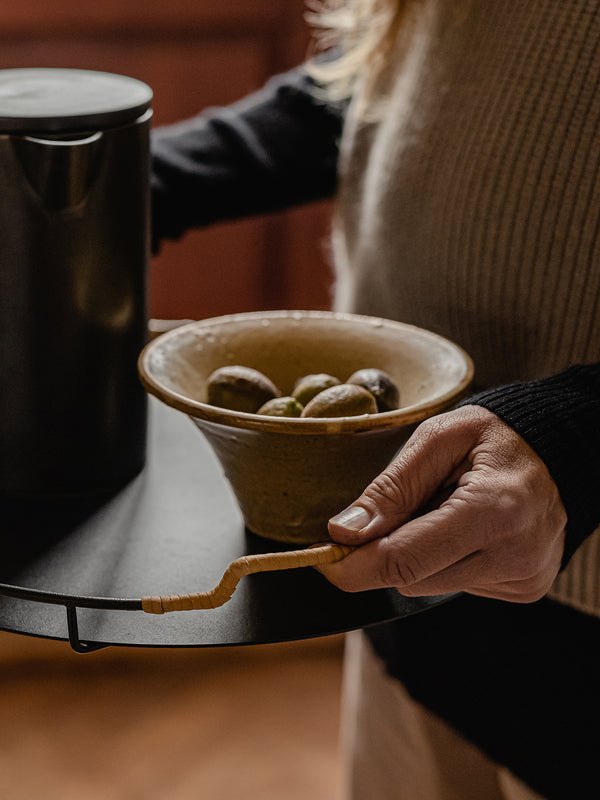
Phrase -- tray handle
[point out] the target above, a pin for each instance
(246, 565)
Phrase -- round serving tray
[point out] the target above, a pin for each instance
(172, 530)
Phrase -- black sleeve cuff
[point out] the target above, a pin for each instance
(274, 149)
(559, 417)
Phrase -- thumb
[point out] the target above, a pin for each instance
(432, 459)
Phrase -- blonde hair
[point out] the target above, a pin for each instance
(364, 32)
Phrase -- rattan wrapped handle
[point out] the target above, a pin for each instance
(265, 562)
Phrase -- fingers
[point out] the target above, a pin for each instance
(433, 458)
(422, 548)
(388, 563)
(448, 550)
(461, 544)
(482, 574)
(499, 534)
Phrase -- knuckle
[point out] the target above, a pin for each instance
(515, 564)
(388, 489)
(398, 568)
(409, 591)
(424, 439)
(431, 428)
(533, 589)
(505, 515)
(528, 597)
(529, 565)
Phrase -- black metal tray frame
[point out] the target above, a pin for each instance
(173, 529)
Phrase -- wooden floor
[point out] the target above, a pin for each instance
(256, 723)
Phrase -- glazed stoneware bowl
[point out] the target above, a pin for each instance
(290, 475)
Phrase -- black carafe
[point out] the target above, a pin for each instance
(73, 260)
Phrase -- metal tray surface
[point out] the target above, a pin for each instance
(172, 530)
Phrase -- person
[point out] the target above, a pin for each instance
(460, 141)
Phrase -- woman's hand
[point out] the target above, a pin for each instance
(466, 506)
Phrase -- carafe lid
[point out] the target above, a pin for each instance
(68, 100)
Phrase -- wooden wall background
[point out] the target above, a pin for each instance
(193, 53)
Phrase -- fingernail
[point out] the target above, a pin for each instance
(355, 518)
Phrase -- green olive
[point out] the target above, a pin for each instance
(240, 389)
(344, 400)
(281, 407)
(311, 385)
(381, 386)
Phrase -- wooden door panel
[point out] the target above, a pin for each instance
(185, 75)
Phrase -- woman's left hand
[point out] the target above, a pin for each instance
(466, 506)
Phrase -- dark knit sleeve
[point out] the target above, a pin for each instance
(559, 417)
(276, 148)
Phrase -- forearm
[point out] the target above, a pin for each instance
(274, 149)
(559, 417)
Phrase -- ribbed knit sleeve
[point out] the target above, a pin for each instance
(274, 149)
(559, 417)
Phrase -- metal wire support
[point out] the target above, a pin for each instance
(73, 629)
(71, 603)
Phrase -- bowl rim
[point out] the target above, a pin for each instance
(386, 420)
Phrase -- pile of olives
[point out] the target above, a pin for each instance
(367, 391)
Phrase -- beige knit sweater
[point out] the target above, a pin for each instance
(472, 207)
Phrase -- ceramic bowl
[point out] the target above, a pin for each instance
(291, 475)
